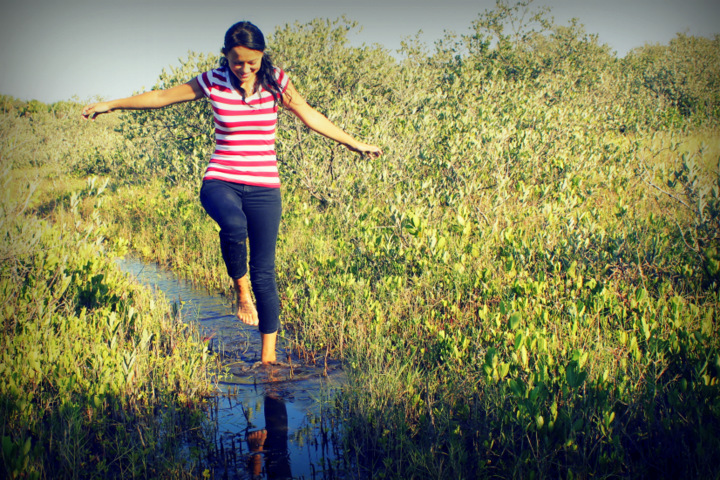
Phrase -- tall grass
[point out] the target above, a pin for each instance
(97, 377)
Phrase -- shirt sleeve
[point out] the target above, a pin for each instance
(205, 81)
(282, 79)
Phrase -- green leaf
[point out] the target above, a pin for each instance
(574, 376)
(514, 320)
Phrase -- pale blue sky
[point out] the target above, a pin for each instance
(54, 49)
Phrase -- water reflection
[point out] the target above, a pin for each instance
(269, 421)
(269, 446)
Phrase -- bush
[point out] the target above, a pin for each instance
(684, 73)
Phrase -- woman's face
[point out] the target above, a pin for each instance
(244, 63)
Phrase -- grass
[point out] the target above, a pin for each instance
(98, 377)
(569, 337)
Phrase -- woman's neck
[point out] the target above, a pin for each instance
(249, 88)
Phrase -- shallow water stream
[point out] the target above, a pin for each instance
(269, 420)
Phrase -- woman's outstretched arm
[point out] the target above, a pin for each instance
(148, 100)
(318, 122)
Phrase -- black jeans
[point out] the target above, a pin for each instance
(247, 212)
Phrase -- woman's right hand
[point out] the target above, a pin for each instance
(148, 100)
(94, 109)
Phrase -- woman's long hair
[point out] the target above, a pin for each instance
(245, 34)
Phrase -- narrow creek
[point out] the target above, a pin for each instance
(269, 421)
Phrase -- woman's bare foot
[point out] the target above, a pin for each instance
(247, 313)
(268, 348)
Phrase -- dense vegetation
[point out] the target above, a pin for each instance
(525, 284)
(97, 377)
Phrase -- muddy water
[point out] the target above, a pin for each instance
(269, 421)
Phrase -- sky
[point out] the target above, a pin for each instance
(53, 50)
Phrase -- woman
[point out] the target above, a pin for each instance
(240, 188)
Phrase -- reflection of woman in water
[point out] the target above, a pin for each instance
(241, 184)
(272, 441)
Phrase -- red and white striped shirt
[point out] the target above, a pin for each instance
(244, 131)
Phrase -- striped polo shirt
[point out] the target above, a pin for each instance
(244, 131)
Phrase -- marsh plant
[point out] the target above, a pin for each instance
(97, 378)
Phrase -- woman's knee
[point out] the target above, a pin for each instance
(233, 232)
(263, 280)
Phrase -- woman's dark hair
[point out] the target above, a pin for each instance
(245, 34)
